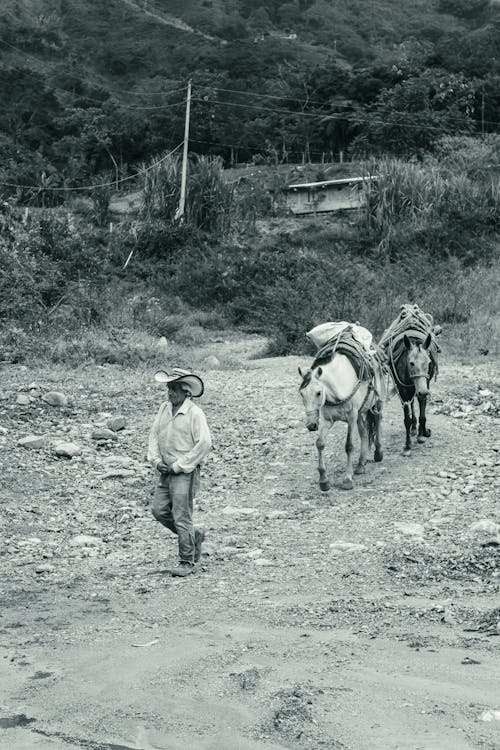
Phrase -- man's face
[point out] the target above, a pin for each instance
(176, 394)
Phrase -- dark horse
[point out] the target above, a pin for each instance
(413, 371)
(411, 348)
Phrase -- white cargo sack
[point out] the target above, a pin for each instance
(320, 335)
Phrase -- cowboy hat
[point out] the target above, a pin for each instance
(193, 383)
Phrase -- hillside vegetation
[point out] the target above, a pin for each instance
(92, 89)
(72, 290)
(94, 103)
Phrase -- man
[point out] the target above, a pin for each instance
(178, 442)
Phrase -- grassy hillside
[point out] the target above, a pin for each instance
(92, 90)
(142, 38)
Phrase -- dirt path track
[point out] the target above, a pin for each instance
(280, 640)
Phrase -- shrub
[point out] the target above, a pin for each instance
(209, 198)
(428, 207)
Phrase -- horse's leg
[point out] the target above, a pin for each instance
(377, 416)
(363, 434)
(423, 430)
(407, 413)
(413, 419)
(347, 483)
(320, 445)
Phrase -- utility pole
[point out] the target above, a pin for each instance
(179, 214)
(482, 113)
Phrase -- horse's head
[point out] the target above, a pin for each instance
(313, 396)
(418, 363)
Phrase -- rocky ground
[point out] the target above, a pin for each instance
(361, 620)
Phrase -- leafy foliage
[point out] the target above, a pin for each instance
(91, 91)
(91, 87)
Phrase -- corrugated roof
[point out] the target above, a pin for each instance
(327, 183)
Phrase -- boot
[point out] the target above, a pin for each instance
(183, 569)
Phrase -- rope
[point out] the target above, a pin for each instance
(412, 322)
(351, 348)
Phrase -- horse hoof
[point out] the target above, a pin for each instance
(378, 456)
(324, 486)
(360, 469)
(407, 452)
(347, 484)
(421, 439)
(413, 431)
(427, 433)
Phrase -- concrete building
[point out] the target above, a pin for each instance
(329, 195)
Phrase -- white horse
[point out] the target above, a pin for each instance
(331, 392)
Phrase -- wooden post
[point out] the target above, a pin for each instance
(482, 113)
(182, 201)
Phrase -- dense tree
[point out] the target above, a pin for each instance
(476, 10)
(412, 115)
(91, 92)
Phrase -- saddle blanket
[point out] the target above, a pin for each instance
(355, 342)
(325, 332)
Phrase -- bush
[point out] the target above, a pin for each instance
(426, 207)
(209, 198)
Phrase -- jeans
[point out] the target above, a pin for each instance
(173, 507)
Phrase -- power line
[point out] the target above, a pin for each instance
(326, 116)
(254, 147)
(120, 104)
(100, 185)
(234, 104)
(264, 96)
(107, 90)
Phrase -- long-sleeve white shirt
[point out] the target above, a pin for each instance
(182, 440)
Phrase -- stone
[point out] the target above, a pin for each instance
(227, 551)
(410, 529)
(338, 547)
(67, 450)
(485, 526)
(103, 433)
(116, 423)
(490, 716)
(83, 540)
(253, 553)
(230, 510)
(45, 568)
(115, 460)
(211, 362)
(162, 345)
(55, 398)
(34, 442)
(116, 473)
(23, 399)
(208, 550)
(276, 514)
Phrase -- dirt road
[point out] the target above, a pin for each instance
(361, 620)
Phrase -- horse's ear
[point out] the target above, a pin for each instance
(428, 341)
(319, 372)
(300, 372)
(407, 341)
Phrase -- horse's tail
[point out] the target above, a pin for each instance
(372, 417)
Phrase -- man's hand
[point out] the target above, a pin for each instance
(162, 467)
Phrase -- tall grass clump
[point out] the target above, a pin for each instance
(209, 198)
(431, 208)
(161, 189)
